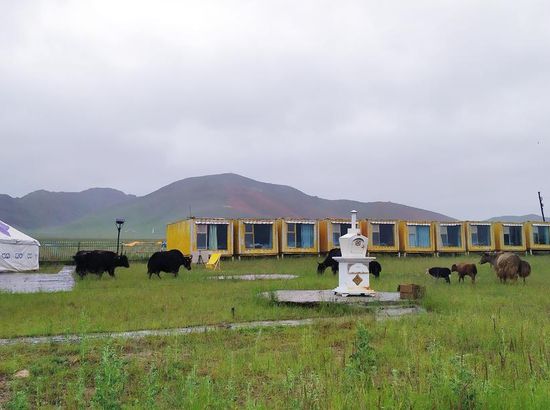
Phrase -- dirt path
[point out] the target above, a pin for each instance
(38, 282)
(161, 332)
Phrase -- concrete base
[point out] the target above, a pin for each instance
(311, 297)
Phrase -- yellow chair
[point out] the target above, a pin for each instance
(214, 261)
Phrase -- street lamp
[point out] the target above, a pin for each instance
(119, 222)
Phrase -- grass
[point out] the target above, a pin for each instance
(480, 346)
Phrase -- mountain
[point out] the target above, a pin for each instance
(224, 195)
(516, 218)
(43, 209)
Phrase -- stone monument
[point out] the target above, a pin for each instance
(353, 265)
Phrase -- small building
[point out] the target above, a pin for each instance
(509, 237)
(330, 231)
(255, 237)
(416, 237)
(201, 236)
(537, 235)
(450, 237)
(383, 235)
(479, 237)
(298, 236)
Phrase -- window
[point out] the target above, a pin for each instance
(541, 235)
(512, 235)
(383, 234)
(338, 230)
(201, 236)
(300, 235)
(212, 236)
(450, 235)
(419, 236)
(291, 235)
(258, 236)
(481, 235)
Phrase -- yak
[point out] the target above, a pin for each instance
(524, 270)
(374, 267)
(329, 262)
(505, 264)
(167, 261)
(438, 272)
(465, 269)
(98, 262)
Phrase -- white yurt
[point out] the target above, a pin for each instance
(18, 252)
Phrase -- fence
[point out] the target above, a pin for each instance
(64, 250)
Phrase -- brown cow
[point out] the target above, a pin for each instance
(465, 269)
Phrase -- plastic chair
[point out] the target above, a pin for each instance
(214, 261)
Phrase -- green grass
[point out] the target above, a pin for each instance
(479, 346)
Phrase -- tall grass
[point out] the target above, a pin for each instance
(482, 346)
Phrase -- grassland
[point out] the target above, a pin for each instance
(479, 346)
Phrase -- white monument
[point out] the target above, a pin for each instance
(353, 265)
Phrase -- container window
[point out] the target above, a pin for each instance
(512, 236)
(259, 236)
(481, 235)
(383, 234)
(450, 236)
(541, 235)
(202, 241)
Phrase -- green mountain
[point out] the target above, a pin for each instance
(224, 195)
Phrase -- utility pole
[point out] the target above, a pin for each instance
(541, 208)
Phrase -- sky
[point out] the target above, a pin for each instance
(442, 105)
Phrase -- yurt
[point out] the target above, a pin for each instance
(18, 252)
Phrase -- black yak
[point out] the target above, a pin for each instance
(329, 262)
(98, 261)
(375, 268)
(167, 261)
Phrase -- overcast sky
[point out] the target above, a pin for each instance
(443, 105)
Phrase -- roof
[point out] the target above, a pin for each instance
(8, 234)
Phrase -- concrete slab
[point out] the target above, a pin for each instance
(269, 276)
(312, 297)
(38, 282)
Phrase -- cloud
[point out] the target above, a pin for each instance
(441, 105)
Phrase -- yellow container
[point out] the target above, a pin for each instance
(255, 237)
(203, 236)
(537, 235)
(479, 237)
(450, 237)
(509, 237)
(330, 230)
(383, 235)
(416, 237)
(298, 236)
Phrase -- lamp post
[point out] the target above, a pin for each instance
(119, 222)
